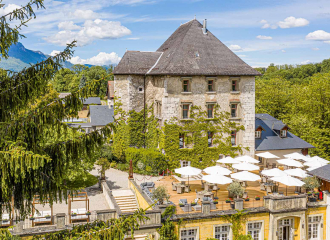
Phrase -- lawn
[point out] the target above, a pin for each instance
(82, 182)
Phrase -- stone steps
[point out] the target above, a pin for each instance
(126, 201)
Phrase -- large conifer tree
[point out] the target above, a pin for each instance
(29, 164)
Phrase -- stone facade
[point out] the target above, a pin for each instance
(166, 93)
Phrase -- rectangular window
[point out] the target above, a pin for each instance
(234, 86)
(185, 111)
(210, 139)
(314, 227)
(181, 140)
(185, 163)
(158, 109)
(258, 134)
(233, 108)
(283, 133)
(254, 229)
(222, 232)
(189, 234)
(185, 84)
(233, 138)
(210, 85)
(210, 108)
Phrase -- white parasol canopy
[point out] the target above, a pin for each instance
(274, 172)
(217, 179)
(217, 170)
(266, 155)
(311, 168)
(228, 160)
(288, 181)
(246, 166)
(188, 171)
(247, 159)
(290, 162)
(297, 172)
(318, 159)
(315, 164)
(245, 176)
(297, 156)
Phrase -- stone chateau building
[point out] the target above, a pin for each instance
(192, 67)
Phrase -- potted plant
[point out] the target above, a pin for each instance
(32, 218)
(310, 184)
(73, 213)
(235, 189)
(257, 198)
(215, 201)
(309, 194)
(181, 204)
(48, 216)
(193, 203)
(317, 194)
(247, 199)
(228, 200)
(88, 213)
(159, 194)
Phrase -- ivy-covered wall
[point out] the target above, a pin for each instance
(133, 133)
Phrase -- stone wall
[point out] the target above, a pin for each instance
(168, 91)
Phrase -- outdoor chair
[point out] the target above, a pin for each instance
(173, 187)
(179, 190)
(262, 187)
(186, 208)
(243, 184)
(150, 184)
(263, 179)
(183, 201)
(202, 184)
(274, 165)
(187, 189)
(245, 195)
(269, 189)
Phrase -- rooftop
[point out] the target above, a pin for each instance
(100, 115)
(92, 100)
(270, 139)
(188, 51)
(322, 172)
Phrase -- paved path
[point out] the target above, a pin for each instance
(117, 179)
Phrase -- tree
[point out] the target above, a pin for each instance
(236, 189)
(29, 163)
(105, 165)
(83, 81)
(160, 193)
(311, 183)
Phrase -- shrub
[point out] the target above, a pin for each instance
(123, 166)
(113, 165)
(236, 189)
(311, 183)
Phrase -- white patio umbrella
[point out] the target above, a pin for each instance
(288, 181)
(247, 159)
(246, 166)
(315, 164)
(188, 171)
(266, 155)
(274, 172)
(296, 155)
(296, 172)
(228, 160)
(217, 179)
(289, 162)
(245, 176)
(311, 168)
(318, 159)
(217, 170)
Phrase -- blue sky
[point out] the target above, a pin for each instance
(259, 31)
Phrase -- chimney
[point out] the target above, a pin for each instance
(204, 27)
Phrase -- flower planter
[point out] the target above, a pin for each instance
(246, 200)
(312, 199)
(215, 202)
(193, 204)
(48, 217)
(73, 215)
(228, 201)
(32, 218)
(257, 199)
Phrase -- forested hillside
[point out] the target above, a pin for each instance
(300, 97)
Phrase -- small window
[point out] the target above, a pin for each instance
(158, 109)
(185, 86)
(222, 232)
(314, 225)
(140, 89)
(185, 111)
(260, 160)
(233, 138)
(258, 134)
(283, 133)
(181, 140)
(210, 85)
(254, 229)
(210, 108)
(233, 110)
(210, 139)
(234, 85)
(189, 234)
(185, 163)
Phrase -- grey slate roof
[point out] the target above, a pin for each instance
(92, 100)
(270, 139)
(100, 115)
(187, 52)
(322, 172)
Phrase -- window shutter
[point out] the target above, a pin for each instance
(181, 163)
(188, 163)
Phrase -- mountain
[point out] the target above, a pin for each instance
(20, 57)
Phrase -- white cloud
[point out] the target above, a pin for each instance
(318, 35)
(90, 31)
(85, 14)
(54, 52)
(291, 22)
(7, 9)
(100, 59)
(315, 49)
(133, 38)
(235, 48)
(264, 37)
(283, 51)
(68, 25)
(328, 42)
(305, 62)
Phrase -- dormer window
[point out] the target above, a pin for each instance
(283, 133)
(258, 134)
(210, 85)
